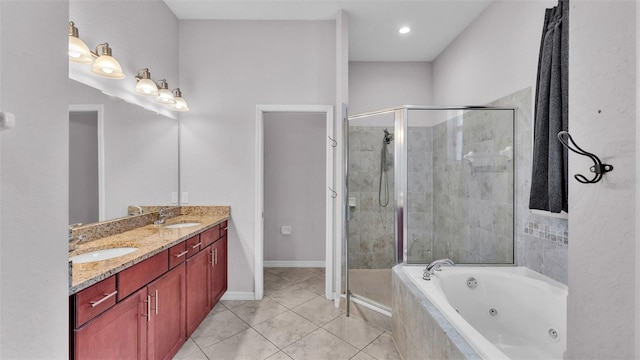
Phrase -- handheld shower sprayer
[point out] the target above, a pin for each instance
(383, 190)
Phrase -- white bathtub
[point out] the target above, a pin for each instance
(511, 313)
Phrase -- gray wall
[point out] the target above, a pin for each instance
(603, 260)
(34, 209)
(231, 66)
(294, 187)
(83, 167)
(380, 85)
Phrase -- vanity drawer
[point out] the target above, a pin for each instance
(140, 274)
(209, 236)
(95, 299)
(193, 245)
(223, 229)
(177, 254)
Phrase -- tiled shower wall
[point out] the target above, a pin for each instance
(472, 185)
(541, 240)
(371, 226)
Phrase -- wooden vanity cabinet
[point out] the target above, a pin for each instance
(93, 300)
(140, 274)
(197, 290)
(149, 310)
(119, 333)
(166, 321)
(218, 284)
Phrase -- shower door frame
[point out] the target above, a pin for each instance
(401, 126)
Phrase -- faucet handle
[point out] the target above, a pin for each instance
(426, 275)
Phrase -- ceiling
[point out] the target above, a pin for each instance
(373, 24)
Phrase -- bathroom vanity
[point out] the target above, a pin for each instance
(147, 303)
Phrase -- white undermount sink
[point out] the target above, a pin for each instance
(182, 225)
(104, 254)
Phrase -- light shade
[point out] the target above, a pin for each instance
(164, 95)
(145, 85)
(78, 51)
(105, 65)
(180, 103)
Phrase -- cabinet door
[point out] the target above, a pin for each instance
(218, 269)
(167, 331)
(119, 333)
(197, 290)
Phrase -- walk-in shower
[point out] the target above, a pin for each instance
(438, 185)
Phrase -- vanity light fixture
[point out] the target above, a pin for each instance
(78, 51)
(164, 95)
(145, 85)
(180, 103)
(103, 65)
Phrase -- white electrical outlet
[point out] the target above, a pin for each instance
(174, 197)
(184, 199)
(286, 230)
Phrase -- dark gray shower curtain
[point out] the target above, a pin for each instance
(549, 181)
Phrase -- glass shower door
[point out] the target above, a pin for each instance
(371, 228)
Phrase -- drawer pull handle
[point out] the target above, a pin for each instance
(105, 298)
(156, 302)
(216, 256)
(196, 245)
(182, 254)
(225, 229)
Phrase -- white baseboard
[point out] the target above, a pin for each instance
(293, 263)
(238, 295)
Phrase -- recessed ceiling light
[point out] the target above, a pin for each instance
(404, 30)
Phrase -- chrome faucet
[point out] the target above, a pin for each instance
(75, 241)
(139, 212)
(435, 266)
(162, 216)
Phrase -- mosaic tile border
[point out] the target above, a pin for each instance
(552, 233)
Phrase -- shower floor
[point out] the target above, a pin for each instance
(373, 284)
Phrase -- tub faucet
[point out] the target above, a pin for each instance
(162, 216)
(435, 266)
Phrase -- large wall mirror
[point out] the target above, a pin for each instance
(120, 154)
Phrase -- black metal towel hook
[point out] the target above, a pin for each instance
(598, 168)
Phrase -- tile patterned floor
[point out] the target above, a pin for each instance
(292, 322)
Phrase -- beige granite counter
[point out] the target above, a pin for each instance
(149, 239)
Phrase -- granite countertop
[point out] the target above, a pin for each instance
(149, 239)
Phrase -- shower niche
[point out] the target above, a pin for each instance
(426, 183)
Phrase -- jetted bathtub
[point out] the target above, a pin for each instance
(500, 312)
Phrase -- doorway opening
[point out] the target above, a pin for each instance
(294, 181)
(86, 164)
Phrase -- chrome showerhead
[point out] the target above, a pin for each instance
(388, 137)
